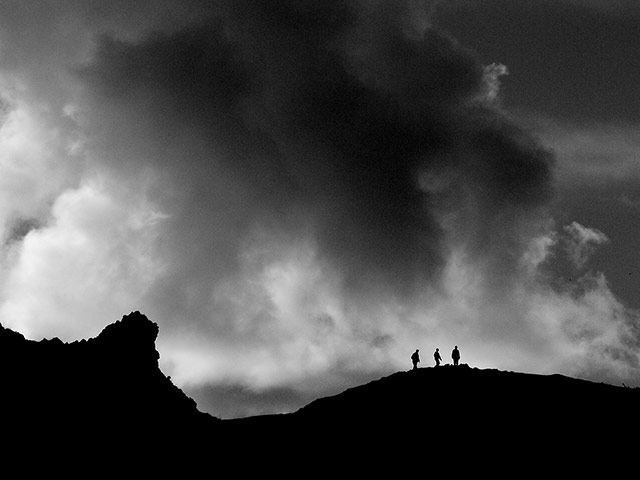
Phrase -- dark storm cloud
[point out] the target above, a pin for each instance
(326, 118)
(300, 193)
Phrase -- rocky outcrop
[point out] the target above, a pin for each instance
(104, 392)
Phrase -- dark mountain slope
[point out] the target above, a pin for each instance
(461, 418)
(104, 401)
(471, 395)
(105, 393)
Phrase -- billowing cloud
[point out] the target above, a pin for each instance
(92, 260)
(581, 242)
(492, 74)
(299, 193)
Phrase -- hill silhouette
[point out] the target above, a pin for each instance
(107, 396)
(428, 415)
(93, 396)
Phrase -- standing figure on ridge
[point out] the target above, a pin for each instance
(455, 355)
(437, 357)
(415, 358)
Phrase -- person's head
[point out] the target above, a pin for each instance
(437, 349)
(456, 347)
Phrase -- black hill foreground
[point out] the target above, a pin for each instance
(106, 397)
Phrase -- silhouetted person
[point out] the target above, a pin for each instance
(415, 358)
(455, 355)
(437, 357)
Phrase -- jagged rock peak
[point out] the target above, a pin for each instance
(131, 339)
(135, 326)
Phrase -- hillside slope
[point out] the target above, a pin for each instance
(91, 396)
(462, 418)
(106, 399)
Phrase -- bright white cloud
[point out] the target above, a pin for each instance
(93, 261)
(35, 163)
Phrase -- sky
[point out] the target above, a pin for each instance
(300, 194)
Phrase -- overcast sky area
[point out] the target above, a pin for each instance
(302, 193)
